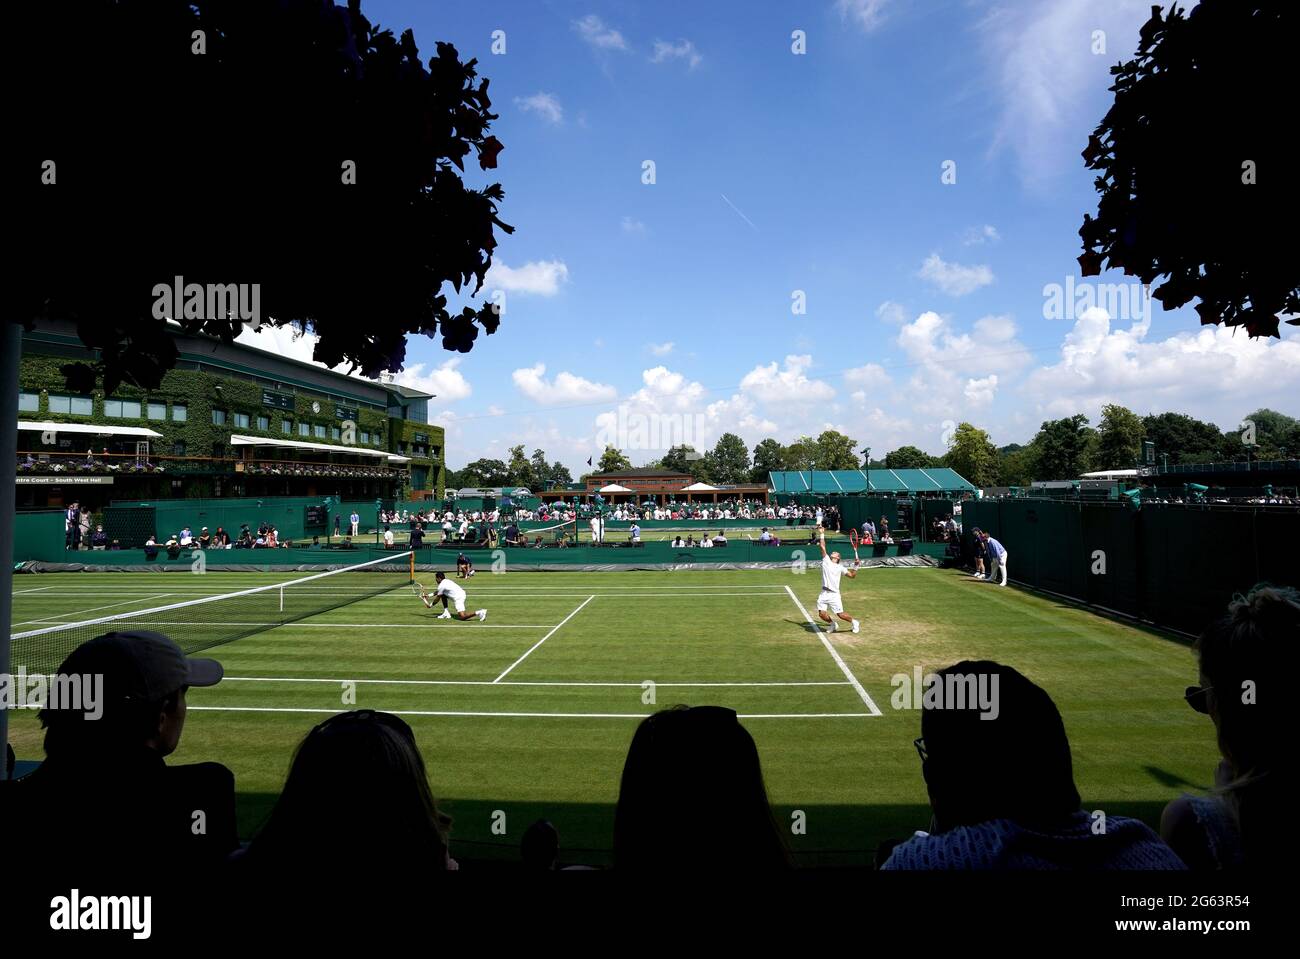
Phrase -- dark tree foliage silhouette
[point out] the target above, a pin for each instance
(1203, 106)
(227, 165)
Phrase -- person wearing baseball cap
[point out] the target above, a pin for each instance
(104, 790)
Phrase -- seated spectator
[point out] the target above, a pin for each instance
(540, 847)
(692, 798)
(221, 540)
(765, 538)
(381, 809)
(205, 538)
(273, 538)
(99, 539)
(1237, 825)
(512, 534)
(720, 539)
(705, 542)
(104, 796)
(678, 542)
(1002, 790)
(690, 541)
(150, 548)
(173, 547)
(186, 537)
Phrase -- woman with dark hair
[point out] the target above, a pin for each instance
(357, 794)
(692, 797)
(1238, 824)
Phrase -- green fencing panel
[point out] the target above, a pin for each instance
(129, 525)
(1193, 561)
(40, 536)
(1176, 566)
(1110, 558)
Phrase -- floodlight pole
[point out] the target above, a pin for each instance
(10, 348)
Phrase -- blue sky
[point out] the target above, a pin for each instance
(779, 174)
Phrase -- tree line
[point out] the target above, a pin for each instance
(1061, 449)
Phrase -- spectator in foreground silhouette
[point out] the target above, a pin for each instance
(357, 796)
(1002, 790)
(1237, 825)
(104, 797)
(692, 797)
(540, 847)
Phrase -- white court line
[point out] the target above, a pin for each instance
(491, 682)
(19, 592)
(294, 624)
(78, 612)
(512, 715)
(544, 639)
(853, 680)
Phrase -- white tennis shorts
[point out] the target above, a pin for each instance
(826, 600)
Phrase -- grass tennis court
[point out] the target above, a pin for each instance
(530, 713)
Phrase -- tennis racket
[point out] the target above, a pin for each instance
(417, 589)
(853, 541)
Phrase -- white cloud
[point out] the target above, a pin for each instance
(287, 342)
(867, 14)
(595, 32)
(953, 278)
(564, 388)
(445, 382)
(891, 313)
(787, 385)
(979, 235)
(981, 392)
(678, 50)
(1051, 86)
(631, 225)
(872, 375)
(954, 369)
(545, 105)
(542, 277)
(1212, 372)
(661, 349)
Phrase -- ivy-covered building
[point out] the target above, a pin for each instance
(229, 420)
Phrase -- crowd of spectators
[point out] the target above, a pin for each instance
(89, 464)
(1001, 788)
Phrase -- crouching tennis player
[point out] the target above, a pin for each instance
(453, 593)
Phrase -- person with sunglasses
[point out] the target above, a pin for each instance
(1237, 825)
(1002, 792)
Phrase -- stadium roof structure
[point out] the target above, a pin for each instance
(939, 479)
(96, 429)
(238, 440)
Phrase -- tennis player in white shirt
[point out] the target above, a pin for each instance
(451, 592)
(828, 600)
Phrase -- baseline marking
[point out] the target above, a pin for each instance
(848, 673)
(490, 682)
(432, 712)
(544, 638)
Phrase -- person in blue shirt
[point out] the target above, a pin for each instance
(997, 558)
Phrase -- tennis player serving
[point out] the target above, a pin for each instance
(828, 600)
(448, 591)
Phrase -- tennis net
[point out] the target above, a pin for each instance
(199, 624)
